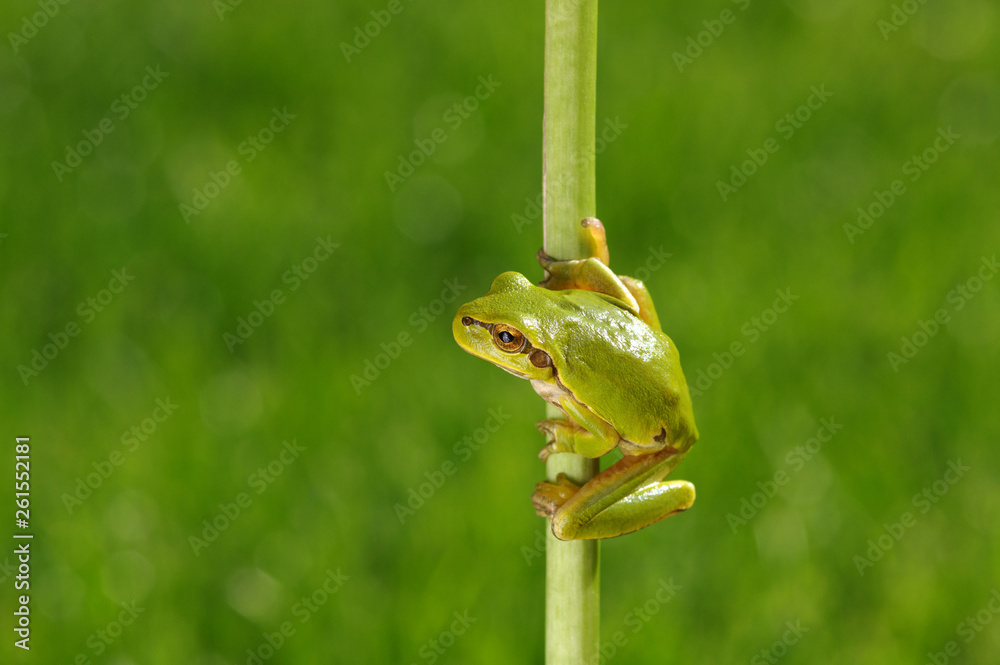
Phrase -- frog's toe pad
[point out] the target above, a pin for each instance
(549, 497)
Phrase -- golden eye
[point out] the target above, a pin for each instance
(507, 338)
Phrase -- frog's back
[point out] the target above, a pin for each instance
(629, 374)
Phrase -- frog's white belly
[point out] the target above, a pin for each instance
(550, 392)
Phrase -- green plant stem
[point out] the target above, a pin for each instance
(572, 586)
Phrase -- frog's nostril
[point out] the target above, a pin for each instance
(466, 320)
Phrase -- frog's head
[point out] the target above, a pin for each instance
(507, 327)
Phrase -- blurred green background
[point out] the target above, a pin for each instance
(330, 514)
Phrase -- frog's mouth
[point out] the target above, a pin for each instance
(516, 373)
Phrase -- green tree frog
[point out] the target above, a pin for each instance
(590, 343)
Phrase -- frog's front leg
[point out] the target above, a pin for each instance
(589, 274)
(583, 433)
(625, 497)
(593, 274)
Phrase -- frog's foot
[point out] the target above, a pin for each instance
(597, 240)
(554, 430)
(549, 497)
(547, 450)
(564, 436)
(545, 260)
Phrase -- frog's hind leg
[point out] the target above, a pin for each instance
(625, 497)
(647, 505)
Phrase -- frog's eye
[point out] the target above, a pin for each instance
(507, 338)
